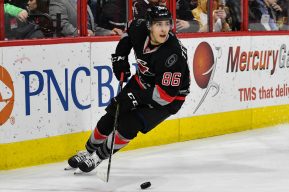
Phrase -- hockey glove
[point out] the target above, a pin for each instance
(120, 64)
(126, 100)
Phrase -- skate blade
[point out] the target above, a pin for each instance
(78, 172)
(102, 175)
(69, 168)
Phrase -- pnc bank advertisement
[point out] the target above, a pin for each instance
(50, 90)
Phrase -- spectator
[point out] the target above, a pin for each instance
(235, 13)
(282, 17)
(109, 14)
(113, 16)
(185, 20)
(193, 4)
(221, 16)
(68, 11)
(38, 6)
(184, 9)
(38, 14)
(18, 3)
(96, 8)
(200, 14)
(263, 15)
(14, 11)
(23, 28)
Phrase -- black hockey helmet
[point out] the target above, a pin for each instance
(158, 13)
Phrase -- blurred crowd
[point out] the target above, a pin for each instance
(58, 18)
(269, 15)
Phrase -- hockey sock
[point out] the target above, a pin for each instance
(95, 141)
(119, 142)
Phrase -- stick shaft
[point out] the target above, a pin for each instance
(115, 125)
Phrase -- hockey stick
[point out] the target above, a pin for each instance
(115, 124)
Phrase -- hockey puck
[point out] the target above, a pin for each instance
(145, 185)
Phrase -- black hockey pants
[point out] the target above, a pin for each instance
(142, 119)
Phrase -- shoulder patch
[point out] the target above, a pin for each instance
(171, 60)
(139, 22)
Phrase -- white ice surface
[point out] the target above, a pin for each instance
(251, 161)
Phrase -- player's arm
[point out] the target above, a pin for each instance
(119, 59)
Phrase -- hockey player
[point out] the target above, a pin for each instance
(155, 92)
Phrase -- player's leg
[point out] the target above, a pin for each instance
(142, 119)
(102, 149)
(151, 117)
(100, 133)
(97, 137)
(94, 144)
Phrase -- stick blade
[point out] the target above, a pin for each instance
(102, 175)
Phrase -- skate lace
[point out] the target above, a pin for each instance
(89, 162)
(92, 162)
(81, 156)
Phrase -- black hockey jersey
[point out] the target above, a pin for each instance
(163, 77)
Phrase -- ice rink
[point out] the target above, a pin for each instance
(250, 161)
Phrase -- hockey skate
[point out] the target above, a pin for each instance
(89, 164)
(76, 159)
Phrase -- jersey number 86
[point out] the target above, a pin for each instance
(171, 79)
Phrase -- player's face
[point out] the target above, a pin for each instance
(159, 31)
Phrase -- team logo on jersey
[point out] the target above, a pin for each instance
(171, 60)
(204, 65)
(143, 68)
(6, 95)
